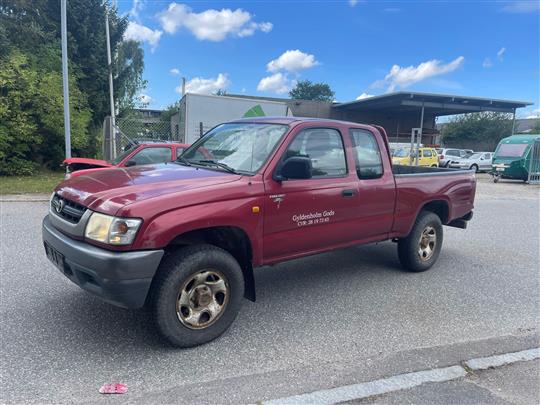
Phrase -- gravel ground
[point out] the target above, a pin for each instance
(346, 316)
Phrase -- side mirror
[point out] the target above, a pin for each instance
(130, 163)
(296, 167)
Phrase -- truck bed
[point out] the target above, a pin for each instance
(399, 170)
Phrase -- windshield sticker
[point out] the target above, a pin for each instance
(313, 218)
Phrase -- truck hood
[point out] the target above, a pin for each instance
(109, 190)
(87, 163)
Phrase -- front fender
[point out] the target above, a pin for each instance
(159, 233)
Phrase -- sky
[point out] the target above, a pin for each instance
(360, 48)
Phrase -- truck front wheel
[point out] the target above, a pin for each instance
(420, 249)
(196, 295)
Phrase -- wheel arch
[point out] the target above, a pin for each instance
(439, 207)
(232, 239)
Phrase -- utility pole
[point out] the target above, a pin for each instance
(65, 82)
(111, 88)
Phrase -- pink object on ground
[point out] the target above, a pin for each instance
(113, 389)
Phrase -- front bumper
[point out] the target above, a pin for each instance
(120, 278)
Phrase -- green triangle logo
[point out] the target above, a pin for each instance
(255, 111)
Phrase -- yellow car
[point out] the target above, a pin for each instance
(428, 157)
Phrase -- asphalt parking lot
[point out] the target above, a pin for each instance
(338, 318)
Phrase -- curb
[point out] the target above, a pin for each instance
(404, 381)
(25, 198)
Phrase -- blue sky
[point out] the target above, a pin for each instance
(360, 48)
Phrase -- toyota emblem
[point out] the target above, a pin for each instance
(59, 206)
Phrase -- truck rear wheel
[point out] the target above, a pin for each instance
(196, 295)
(420, 249)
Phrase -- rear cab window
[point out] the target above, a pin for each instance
(367, 154)
(324, 147)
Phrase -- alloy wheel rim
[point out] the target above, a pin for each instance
(427, 243)
(202, 299)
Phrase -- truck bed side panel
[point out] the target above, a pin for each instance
(415, 191)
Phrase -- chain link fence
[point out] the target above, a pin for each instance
(131, 130)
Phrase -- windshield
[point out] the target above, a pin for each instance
(240, 147)
(512, 150)
(122, 155)
(402, 153)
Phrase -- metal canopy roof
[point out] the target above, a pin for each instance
(437, 104)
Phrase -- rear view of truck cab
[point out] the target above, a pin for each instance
(185, 238)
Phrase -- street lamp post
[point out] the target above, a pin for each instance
(65, 81)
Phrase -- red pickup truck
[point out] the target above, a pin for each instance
(184, 237)
(138, 154)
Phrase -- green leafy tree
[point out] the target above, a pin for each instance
(536, 127)
(306, 90)
(31, 106)
(478, 131)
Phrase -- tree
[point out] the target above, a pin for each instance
(31, 111)
(306, 90)
(536, 127)
(478, 131)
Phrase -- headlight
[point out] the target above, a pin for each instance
(114, 231)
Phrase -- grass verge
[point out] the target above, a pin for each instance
(42, 182)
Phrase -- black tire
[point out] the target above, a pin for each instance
(474, 167)
(173, 273)
(408, 248)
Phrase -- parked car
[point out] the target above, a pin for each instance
(512, 158)
(478, 161)
(183, 238)
(136, 155)
(427, 157)
(446, 154)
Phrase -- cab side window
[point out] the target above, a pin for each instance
(427, 153)
(367, 154)
(324, 147)
(152, 155)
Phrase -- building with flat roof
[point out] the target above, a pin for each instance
(400, 112)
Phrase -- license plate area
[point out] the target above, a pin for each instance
(54, 256)
(500, 169)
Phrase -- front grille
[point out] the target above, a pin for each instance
(67, 209)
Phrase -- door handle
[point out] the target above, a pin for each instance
(348, 193)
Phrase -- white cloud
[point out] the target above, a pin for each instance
(277, 83)
(364, 95)
(175, 72)
(138, 32)
(487, 63)
(534, 113)
(200, 85)
(500, 54)
(145, 99)
(136, 8)
(292, 61)
(211, 25)
(353, 3)
(526, 6)
(401, 77)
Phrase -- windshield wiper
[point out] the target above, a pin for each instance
(218, 164)
(183, 160)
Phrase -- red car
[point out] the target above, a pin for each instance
(184, 238)
(139, 154)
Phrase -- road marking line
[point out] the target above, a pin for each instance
(377, 387)
(483, 363)
(403, 381)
